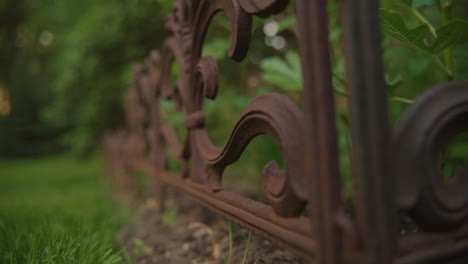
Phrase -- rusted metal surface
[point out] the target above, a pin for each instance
(321, 149)
(397, 173)
(438, 207)
(375, 209)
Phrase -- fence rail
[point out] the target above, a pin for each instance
(396, 171)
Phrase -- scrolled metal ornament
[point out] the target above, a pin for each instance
(420, 139)
(263, 8)
(278, 117)
(327, 230)
(274, 115)
(239, 13)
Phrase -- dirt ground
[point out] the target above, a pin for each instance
(188, 233)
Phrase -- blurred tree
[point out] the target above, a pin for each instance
(66, 65)
(12, 14)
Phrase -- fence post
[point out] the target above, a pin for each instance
(375, 201)
(322, 167)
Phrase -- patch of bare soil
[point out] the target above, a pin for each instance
(188, 233)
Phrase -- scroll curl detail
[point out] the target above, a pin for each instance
(263, 8)
(239, 13)
(277, 116)
(420, 138)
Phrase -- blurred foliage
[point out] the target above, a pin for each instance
(417, 54)
(168, 216)
(283, 73)
(141, 249)
(66, 65)
(454, 32)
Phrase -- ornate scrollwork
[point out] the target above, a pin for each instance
(203, 163)
(438, 206)
(278, 117)
(273, 114)
(239, 13)
(420, 139)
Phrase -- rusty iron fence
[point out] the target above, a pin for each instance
(396, 171)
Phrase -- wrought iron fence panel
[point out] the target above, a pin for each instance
(396, 171)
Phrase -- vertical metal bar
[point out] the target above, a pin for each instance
(376, 209)
(322, 166)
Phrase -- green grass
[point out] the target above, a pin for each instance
(57, 210)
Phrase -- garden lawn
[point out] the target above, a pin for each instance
(57, 210)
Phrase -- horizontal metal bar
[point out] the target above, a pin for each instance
(294, 234)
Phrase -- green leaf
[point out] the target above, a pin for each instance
(393, 24)
(217, 48)
(455, 32)
(293, 59)
(285, 74)
(286, 23)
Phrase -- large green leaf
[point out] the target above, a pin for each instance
(453, 33)
(393, 24)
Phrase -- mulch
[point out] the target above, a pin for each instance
(195, 235)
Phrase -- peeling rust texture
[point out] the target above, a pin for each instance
(403, 211)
